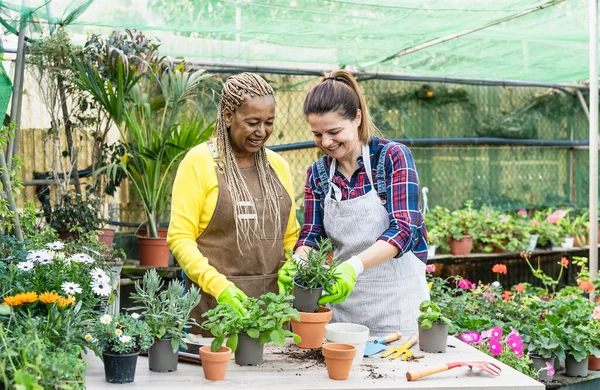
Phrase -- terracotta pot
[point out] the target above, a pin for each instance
(215, 364)
(154, 252)
(594, 363)
(338, 358)
(461, 247)
(106, 236)
(162, 231)
(311, 327)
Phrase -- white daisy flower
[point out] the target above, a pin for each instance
(100, 287)
(82, 258)
(106, 319)
(88, 337)
(99, 274)
(118, 332)
(125, 339)
(135, 316)
(39, 255)
(56, 245)
(70, 288)
(26, 265)
(47, 260)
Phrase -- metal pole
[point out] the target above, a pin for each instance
(593, 28)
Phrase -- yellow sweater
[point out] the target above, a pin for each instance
(195, 194)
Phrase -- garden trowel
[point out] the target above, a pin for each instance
(378, 345)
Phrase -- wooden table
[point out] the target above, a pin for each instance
(283, 372)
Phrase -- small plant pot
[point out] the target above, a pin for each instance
(348, 333)
(106, 236)
(215, 364)
(249, 351)
(575, 368)
(569, 242)
(154, 252)
(119, 368)
(338, 359)
(593, 363)
(311, 327)
(161, 357)
(434, 339)
(539, 365)
(306, 299)
(431, 251)
(461, 247)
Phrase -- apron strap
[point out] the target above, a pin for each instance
(215, 155)
(322, 172)
(381, 188)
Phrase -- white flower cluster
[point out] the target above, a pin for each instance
(100, 282)
(107, 319)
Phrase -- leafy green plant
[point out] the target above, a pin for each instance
(166, 311)
(317, 270)
(76, 215)
(430, 314)
(119, 335)
(264, 320)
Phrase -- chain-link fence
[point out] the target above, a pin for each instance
(507, 147)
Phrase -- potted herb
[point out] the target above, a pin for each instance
(312, 275)
(215, 357)
(167, 312)
(120, 340)
(263, 322)
(433, 328)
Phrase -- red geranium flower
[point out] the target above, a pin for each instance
(506, 295)
(586, 285)
(564, 261)
(499, 269)
(520, 288)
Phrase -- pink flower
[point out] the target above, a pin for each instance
(550, 369)
(522, 212)
(495, 347)
(552, 219)
(496, 333)
(559, 213)
(503, 218)
(466, 284)
(430, 268)
(515, 343)
(596, 313)
(535, 223)
(486, 334)
(470, 337)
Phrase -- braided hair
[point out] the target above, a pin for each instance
(232, 97)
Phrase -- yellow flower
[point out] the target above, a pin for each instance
(27, 297)
(49, 297)
(12, 301)
(62, 301)
(118, 332)
(88, 337)
(429, 94)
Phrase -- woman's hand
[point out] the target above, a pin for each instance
(345, 276)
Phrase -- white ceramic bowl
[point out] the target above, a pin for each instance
(355, 334)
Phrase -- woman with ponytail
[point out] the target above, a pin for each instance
(363, 195)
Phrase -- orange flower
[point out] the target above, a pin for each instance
(506, 295)
(62, 301)
(586, 285)
(499, 269)
(564, 261)
(520, 288)
(429, 94)
(49, 297)
(12, 301)
(27, 297)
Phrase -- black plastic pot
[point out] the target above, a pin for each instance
(575, 368)
(249, 351)
(434, 339)
(161, 357)
(305, 299)
(539, 365)
(119, 368)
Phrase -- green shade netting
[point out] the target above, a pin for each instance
(5, 88)
(548, 44)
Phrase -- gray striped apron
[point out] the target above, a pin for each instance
(386, 297)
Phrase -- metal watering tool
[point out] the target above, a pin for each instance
(378, 345)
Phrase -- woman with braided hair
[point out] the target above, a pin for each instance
(364, 196)
(232, 213)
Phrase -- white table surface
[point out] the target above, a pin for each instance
(285, 373)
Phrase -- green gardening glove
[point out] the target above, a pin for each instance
(285, 277)
(233, 296)
(344, 280)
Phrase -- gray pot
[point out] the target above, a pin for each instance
(557, 364)
(433, 339)
(575, 368)
(539, 363)
(161, 357)
(249, 351)
(306, 300)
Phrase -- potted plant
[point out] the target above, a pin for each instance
(433, 328)
(312, 275)
(215, 357)
(120, 340)
(544, 347)
(159, 121)
(76, 215)
(263, 322)
(167, 313)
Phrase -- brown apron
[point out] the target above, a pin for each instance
(254, 271)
